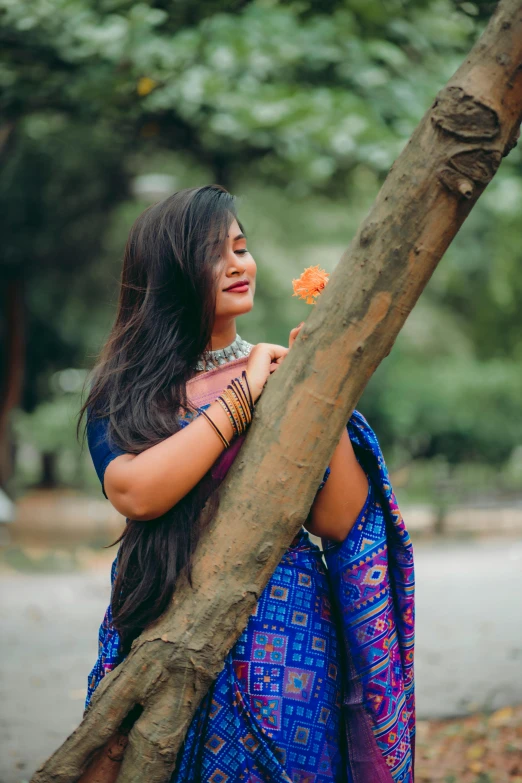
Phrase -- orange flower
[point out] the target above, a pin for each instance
(310, 283)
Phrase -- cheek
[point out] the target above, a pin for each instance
(251, 269)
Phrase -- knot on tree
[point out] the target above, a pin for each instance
(467, 167)
(264, 552)
(463, 116)
(116, 748)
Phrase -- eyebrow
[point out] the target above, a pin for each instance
(239, 236)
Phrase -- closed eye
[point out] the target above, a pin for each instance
(241, 251)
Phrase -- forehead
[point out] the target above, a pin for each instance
(234, 229)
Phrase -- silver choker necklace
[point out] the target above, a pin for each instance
(236, 350)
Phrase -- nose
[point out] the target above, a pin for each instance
(234, 262)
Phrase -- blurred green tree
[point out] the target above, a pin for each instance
(302, 106)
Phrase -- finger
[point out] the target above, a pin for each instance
(279, 350)
(293, 333)
(276, 362)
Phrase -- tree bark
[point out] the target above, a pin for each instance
(430, 190)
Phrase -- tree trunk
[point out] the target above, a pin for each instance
(12, 358)
(427, 195)
(48, 479)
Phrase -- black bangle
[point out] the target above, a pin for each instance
(224, 441)
(244, 375)
(230, 414)
(238, 386)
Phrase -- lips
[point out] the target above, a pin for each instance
(239, 284)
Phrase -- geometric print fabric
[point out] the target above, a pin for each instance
(275, 712)
(372, 579)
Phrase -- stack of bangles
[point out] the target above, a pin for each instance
(238, 404)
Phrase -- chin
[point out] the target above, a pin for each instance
(235, 312)
(242, 311)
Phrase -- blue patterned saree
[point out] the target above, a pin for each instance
(319, 687)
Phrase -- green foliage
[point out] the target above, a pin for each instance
(294, 90)
(298, 107)
(52, 426)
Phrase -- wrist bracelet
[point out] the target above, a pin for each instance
(238, 403)
(245, 376)
(239, 408)
(245, 396)
(224, 441)
(230, 403)
(227, 410)
(238, 387)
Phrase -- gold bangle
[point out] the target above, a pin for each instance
(239, 407)
(230, 417)
(233, 410)
(238, 386)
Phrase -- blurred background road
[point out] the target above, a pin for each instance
(468, 651)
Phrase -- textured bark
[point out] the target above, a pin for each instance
(427, 195)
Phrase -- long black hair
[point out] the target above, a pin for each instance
(163, 325)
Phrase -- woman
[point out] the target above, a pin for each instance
(319, 687)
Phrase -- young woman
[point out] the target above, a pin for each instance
(319, 687)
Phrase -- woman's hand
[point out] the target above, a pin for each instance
(264, 358)
(293, 334)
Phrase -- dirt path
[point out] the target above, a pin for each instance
(468, 659)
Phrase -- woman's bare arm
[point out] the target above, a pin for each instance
(144, 486)
(339, 503)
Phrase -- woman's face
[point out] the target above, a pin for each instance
(236, 265)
